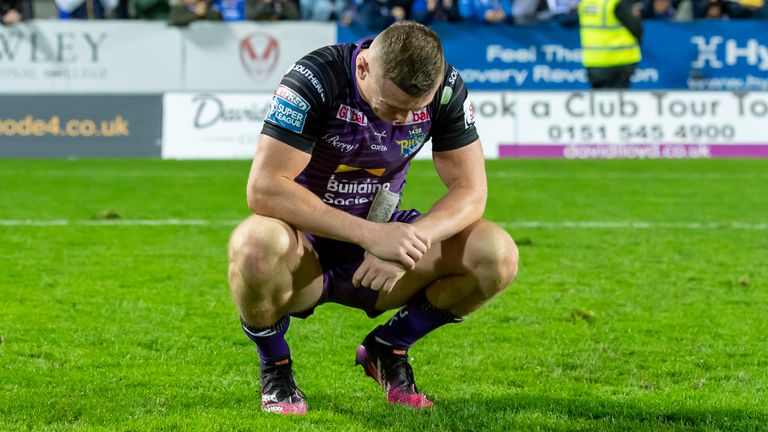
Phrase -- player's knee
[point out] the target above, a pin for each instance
(258, 245)
(494, 259)
(510, 261)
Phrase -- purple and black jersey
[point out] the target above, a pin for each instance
(318, 109)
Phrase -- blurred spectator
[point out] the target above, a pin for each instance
(13, 11)
(761, 12)
(564, 12)
(349, 11)
(151, 9)
(659, 9)
(121, 10)
(486, 11)
(708, 9)
(429, 11)
(271, 10)
(232, 10)
(528, 12)
(742, 8)
(321, 10)
(380, 14)
(84, 9)
(184, 12)
(684, 10)
(737, 9)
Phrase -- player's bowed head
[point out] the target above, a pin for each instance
(401, 71)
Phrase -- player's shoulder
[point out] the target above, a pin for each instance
(307, 90)
(452, 93)
(330, 56)
(453, 113)
(452, 85)
(323, 71)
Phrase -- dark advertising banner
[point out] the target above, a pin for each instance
(701, 55)
(42, 126)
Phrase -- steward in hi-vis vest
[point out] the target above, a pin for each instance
(610, 41)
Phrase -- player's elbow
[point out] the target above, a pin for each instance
(472, 199)
(475, 196)
(478, 203)
(258, 199)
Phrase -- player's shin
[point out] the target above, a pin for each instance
(414, 321)
(270, 341)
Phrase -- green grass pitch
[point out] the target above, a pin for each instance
(641, 305)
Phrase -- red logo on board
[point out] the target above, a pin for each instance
(259, 54)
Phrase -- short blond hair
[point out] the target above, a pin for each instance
(411, 56)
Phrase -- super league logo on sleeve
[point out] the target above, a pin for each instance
(288, 109)
(259, 53)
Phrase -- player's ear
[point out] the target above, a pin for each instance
(363, 69)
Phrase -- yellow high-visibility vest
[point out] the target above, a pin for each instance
(604, 40)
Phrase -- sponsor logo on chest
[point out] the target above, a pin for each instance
(414, 117)
(335, 142)
(351, 115)
(349, 185)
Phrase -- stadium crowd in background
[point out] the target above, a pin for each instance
(377, 14)
(13, 11)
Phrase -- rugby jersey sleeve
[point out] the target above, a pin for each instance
(454, 124)
(300, 100)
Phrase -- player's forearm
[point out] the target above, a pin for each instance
(459, 208)
(284, 199)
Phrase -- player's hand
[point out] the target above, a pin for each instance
(377, 274)
(398, 242)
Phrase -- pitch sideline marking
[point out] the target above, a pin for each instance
(526, 175)
(505, 224)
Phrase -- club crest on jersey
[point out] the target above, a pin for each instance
(412, 143)
(288, 109)
(414, 117)
(351, 115)
(469, 114)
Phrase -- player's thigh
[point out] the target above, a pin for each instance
(446, 258)
(274, 255)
